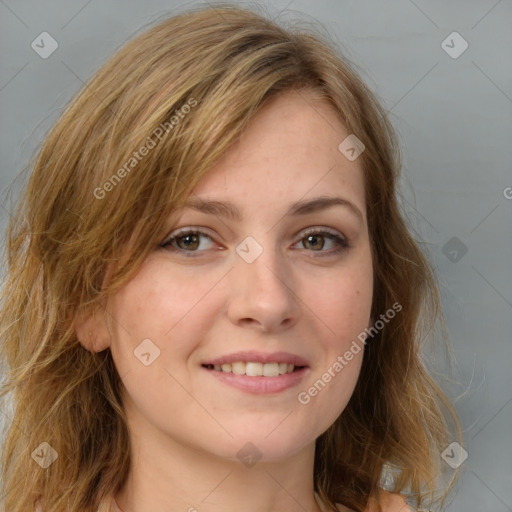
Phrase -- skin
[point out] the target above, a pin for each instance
(298, 296)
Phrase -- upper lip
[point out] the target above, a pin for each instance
(258, 357)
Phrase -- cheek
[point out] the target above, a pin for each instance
(342, 302)
(157, 301)
(158, 305)
(342, 306)
(163, 314)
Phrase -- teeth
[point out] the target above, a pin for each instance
(253, 369)
(238, 368)
(270, 370)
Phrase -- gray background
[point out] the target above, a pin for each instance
(454, 119)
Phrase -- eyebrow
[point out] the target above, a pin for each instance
(304, 207)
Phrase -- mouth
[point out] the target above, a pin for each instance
(254, 369)
(255, 372)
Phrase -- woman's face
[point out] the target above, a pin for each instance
(271, 276)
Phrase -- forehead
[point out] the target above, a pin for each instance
(289, 151)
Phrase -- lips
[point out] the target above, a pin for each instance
(258, 372)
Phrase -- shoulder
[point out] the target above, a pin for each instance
(389, 502)
(394, 503)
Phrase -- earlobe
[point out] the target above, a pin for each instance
(92, 330)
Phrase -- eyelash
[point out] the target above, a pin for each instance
(342, 243)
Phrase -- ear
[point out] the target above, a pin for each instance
(92, 330)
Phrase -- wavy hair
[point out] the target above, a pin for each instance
(92, 211)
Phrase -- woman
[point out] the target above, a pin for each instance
(213, 301)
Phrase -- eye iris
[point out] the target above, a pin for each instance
(314, 239)
(193, 241)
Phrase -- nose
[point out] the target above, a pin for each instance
(262, 294)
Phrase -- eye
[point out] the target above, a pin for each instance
(187, 240)
(315, 240)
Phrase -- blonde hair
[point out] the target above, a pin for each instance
(71, 227)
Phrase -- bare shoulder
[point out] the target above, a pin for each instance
(387, 502)
(393, 503)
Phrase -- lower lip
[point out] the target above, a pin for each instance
(260, 385)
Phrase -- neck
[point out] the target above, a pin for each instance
(196, 487)
(167, 476)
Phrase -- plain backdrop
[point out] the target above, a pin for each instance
(449, 97)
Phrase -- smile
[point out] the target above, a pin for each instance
(258, 373)
(254, 369)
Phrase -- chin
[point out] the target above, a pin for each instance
(269, 445)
